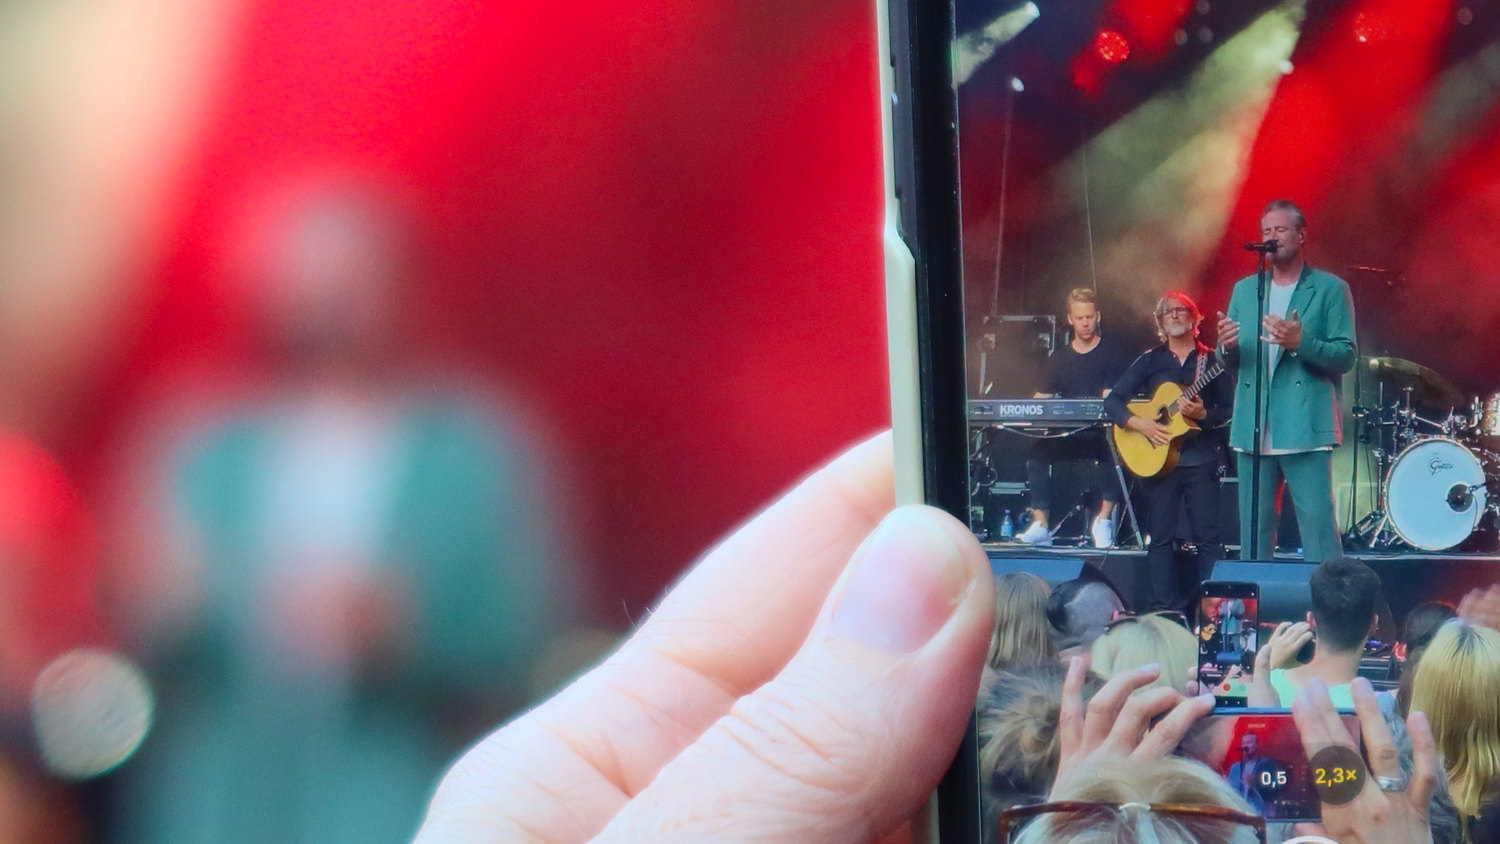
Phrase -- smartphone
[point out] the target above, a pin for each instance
(1032, 148)
(1226, 624)
(1259, 753)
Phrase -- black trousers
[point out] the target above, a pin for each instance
(1194, 489)
(1086, 446)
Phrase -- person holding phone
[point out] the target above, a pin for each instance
(1084, 367)
(1344, 596)
(1194, 483)
(1309, 335)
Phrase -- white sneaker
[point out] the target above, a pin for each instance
(1037, 534)
(1103, 530)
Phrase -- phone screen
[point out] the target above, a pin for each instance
(1227, 628)
(1259, 753)
(1063, 172)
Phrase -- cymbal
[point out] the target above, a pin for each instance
(1427, 386)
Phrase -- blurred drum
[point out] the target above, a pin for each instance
(1435, 493)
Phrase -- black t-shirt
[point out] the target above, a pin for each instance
(1160, 365)
(1071, 375)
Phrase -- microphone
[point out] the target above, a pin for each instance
(1267, 247)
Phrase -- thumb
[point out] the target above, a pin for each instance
(1293, 317)
(851, 737)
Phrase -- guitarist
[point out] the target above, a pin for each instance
(1195, 482)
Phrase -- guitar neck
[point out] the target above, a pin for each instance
(1208, 375)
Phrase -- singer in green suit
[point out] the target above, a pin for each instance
(1309, 342)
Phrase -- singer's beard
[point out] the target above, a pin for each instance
(1178, 330)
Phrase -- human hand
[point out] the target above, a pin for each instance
(1156, 433)
(1229, 332)
(1398, 816)
(1117, 725)
(1192, 408)
(1481, 607)
(1286, 333)
(1280, 650)
(779, 692)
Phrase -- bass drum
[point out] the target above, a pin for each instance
(1435, 494)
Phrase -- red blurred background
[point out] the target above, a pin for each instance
(654, 224)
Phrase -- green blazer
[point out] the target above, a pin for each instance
(1302, 403)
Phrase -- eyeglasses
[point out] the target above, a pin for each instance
(1205, 823)
(1177, 311)
(1174, 616)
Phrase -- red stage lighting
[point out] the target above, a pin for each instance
(1370, 27)
(1112, 46)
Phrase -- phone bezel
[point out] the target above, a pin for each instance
(919, 112)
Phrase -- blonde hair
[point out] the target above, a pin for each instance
(1145, 639)
(1167, 780)
(1458, 687)
(1021, 632)
(1083, 296)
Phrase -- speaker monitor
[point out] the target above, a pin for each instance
(1054, 570)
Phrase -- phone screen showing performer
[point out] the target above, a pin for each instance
(1228, 631)
(1260, 754)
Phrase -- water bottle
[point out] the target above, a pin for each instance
(1007, 528)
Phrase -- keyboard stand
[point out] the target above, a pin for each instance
(1135, 523)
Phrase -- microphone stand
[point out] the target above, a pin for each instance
(1262, 276)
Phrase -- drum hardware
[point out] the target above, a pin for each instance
(1428, 387)
(1436, 493)
(1391, 429)
(1432, 476)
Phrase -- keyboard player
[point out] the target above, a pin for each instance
(1084, 367)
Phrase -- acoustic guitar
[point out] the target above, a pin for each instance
(1144, 458)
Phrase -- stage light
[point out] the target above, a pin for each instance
(1180, 37)
(1112, 46)
(1287, 67)
(1017, 85)
(1465, 16)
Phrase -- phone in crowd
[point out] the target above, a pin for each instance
(1226, 624)
(1259, 753)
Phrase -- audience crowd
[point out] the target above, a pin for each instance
(1097, 731)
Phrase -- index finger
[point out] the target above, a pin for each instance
(1380, 748)
(1318, 723)
(1104, 710)
(1070, 713)
(1424, 779)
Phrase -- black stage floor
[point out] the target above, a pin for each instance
(1408, 578)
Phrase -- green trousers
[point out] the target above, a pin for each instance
(1308, 476)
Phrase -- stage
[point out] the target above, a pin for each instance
(1408, 578)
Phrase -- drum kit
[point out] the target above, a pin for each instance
(1435, 479)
